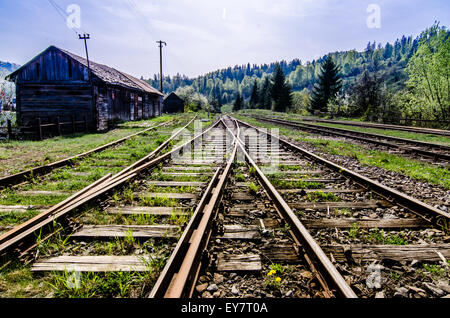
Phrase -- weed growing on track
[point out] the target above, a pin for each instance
(319, 196)
(253, 188)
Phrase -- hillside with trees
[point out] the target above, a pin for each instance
(383, 81)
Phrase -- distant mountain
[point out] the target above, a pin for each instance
(7, 68)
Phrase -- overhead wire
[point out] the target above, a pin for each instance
(63, 14)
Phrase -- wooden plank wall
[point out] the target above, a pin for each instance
(55, 85)
(47, 101)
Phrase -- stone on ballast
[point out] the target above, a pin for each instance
(201, 288)
(380, 294)
(212, 288)
(401, 292)
(218, 278)
(434, 289)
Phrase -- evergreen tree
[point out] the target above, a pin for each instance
(265, 101)
(254, 95)
(238, 103)
(281, 92)
(327, 86)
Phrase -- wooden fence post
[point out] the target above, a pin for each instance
(58, 126)
(39, 128)
(73, 124)
(9, 129)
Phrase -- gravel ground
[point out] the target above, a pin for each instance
(434, 195)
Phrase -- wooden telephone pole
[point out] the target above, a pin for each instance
(160, 64)
(86, 37)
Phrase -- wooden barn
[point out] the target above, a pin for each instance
(56, 86)
(173, 104)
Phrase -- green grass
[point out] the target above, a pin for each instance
(253, 188)
(379, 236)
(158, 201)
(319, 196)
(17, 281)
(443, 140)
(412, 168)
(84, 172)
(13, 218)
(394, 133)
(355, 231)
(283, 184)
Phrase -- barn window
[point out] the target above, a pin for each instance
(69, 63)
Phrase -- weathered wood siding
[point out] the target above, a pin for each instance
(53, 66)
(58, 84)
(48, 101)
(54, 85)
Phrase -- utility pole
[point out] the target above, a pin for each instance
(86, 37)
(160, 64)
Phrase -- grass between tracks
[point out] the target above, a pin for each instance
(67, 180)
(393, 133)
(412, 168)
(17, 280)
(19, 155)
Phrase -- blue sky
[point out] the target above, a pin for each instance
(205, 35)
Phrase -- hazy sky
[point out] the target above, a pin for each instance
(205, 35)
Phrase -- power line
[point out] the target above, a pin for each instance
(140, 17)
(62, 13)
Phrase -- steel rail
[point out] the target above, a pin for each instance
(177, 280)
(353, 135)
(327, 270)
(422, 130)
(45, 169)
(422, 209)
(91, 192)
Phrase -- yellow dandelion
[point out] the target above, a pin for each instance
(278, 279)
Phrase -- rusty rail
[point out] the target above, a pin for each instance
(328, 274)
(420, 208)
(367, 137)
(178, 277)
(23, 231)
(45, 169)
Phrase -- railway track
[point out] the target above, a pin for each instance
(141, 213)
(24, 176)
(26, 194)
(432, 131)
(380, 240)
(429, 151)
(226, 237)
(253, 216)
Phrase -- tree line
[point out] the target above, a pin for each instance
(391, 81)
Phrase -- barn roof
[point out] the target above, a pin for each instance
(173, 96)
(104, 73)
